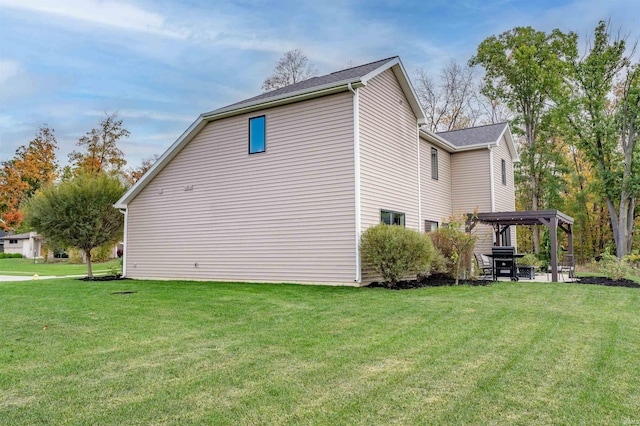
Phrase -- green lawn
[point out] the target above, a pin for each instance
(28, 267)
(212, 353)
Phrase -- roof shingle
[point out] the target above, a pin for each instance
(354, 74)
(474, 135)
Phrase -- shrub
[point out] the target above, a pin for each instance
(529, 260)
(457, 248)
(394, 252)
(614, 268)
(17, 256)
(633, 259)
(102, 253)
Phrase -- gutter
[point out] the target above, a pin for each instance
(356, 168)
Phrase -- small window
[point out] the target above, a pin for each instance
(504, 172)
(13, 241)
(257, 135)
(434, 163)
(430, 226)
(391, 218)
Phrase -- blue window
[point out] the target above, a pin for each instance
(257, 135)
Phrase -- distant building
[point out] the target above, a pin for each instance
(29, 244)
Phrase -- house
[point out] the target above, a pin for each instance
(279, 187)
(2, 234)
(29, 244)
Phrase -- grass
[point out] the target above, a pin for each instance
(215, 353)
(27, 267)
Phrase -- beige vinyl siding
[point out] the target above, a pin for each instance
(388, 152)
(504, 194)
(388, 155)
(436, 198)
(287, 215)
(471, 183)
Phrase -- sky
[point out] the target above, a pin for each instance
(160, 63)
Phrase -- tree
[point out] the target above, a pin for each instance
(602, 112)
(450, 103)
(33, 166)
(134, 175)
(525, 69)
(79, 213)
(102, 153)
(293, 67)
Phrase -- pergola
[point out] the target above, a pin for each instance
(552, 219)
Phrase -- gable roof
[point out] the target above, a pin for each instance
(350, 74)
(479, 137)
(336, 82)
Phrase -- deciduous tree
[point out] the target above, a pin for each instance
(79, 213)
(293, 67)
(33, 166)
(101, 152)
(603, 112)
(450, 102)
(133, 175)
(525, 69)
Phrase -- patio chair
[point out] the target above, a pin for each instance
(485, 266)
(565, 264)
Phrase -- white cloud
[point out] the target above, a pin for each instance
(112, 14)
(8, 69)
(150, 114)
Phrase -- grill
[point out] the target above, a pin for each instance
(504, 262)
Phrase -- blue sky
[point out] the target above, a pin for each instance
(161, 63)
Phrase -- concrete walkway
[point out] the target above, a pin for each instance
(5, 278)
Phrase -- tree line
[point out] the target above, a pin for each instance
(575, 117)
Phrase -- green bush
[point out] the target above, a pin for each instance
(457, 248)
(394, 252)
(614, 268)
(10, 256)
(529, 260)
(102, 253)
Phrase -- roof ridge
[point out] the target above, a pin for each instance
(473, 127)
(361, 65)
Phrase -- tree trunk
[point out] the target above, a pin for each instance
(89, 271)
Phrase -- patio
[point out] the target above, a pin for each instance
(552, 219)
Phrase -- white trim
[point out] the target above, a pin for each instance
(298, 95)
(356, 166)
(419, 184)
(493, 189)
(125, 249)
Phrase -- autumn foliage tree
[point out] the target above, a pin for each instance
(101, 152)
(33, 166)
(134, 175)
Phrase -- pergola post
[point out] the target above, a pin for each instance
(553, 231)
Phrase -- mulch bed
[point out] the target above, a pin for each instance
(608, 282)
(432, 281)
(104, 278)
(438, 281)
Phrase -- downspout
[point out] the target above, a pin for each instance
(356, 167)
(125, 250)
(419, 183)
(491, 179)
(493, 188)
